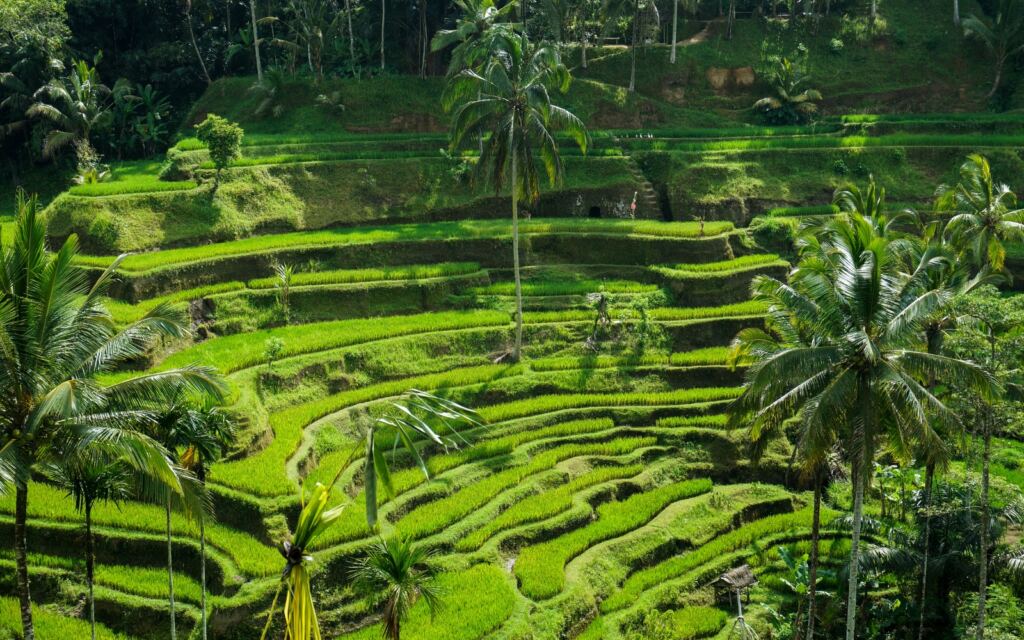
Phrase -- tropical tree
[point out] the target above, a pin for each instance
(989, 333)
(985, 214)
(195, 44)
(197, 433)
(1002, 35)
(688, 5)
(90, 477)
(223, 139)
(508, 102)
(617, 8)
(860, 369)
(256, 40)
(475, 35)
(393, 576)
(75, 105)
(418, 417)
(792, 102)
(56, 337)
(311, 22)
(816, 444)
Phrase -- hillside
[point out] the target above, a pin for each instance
(603, 489)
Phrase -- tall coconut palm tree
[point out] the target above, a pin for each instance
(56, 337)
(1002, 35)
(616, 8)
(256, 40)
(861, 368)
(198, 434)
(688, 5)
(508, 101)
(816, 447)
(88, 479)
(393, 576)
(76, 105)
(482, 29)
(985, 214)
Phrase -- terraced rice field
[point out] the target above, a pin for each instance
(602, 485)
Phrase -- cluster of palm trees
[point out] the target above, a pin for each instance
(852, 352)
(70, 107)
(146, 436)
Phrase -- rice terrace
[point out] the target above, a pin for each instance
(511, 319)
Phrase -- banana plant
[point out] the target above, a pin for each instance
(416, 419)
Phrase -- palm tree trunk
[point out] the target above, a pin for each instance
(858, 512)
(256, 40)
(632, 45)
(812, 578)
(997, 80)
(675, 25)
(929, 478)
(195, 45)
(202, 568)
(21, 561)
(90, 567)
(874, 11)
(423, 38)
(985, 516)
(731, 20)
(383, 12)
(956, 13)
(517, 350)
(351, 38)
(170, 569)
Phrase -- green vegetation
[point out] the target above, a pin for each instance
(331, 340)
(539, 567)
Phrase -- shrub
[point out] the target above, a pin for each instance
(835, 45)
(222, 138)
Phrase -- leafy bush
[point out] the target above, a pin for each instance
(222, 138)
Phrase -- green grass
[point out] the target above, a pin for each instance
(727, 266)
(546, 504)
(349, 276)
(232, 353)
(663, 314)
(353, 522)
(476, 601)
(697, 622)
(435, 516)
(49, 624)
(263, 473)
(548, 403)
(678, 565)
(47, 503)
(144, 262)
(540, 567)
(828, 142)
(554, 288)
(131, 177)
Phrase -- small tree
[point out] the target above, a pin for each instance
(224, 140)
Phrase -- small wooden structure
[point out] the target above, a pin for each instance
(734, 581)
(737, 582)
